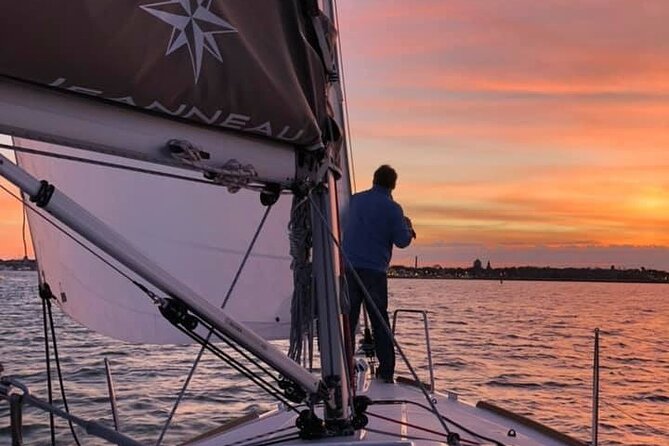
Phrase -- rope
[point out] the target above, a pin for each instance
(393, 434)
(649, 426)
(238, 366)
(204, 345)
(440, 416)
(60, 373)
(302, 306)
(404, 423)
(23, 228)
(52, 425)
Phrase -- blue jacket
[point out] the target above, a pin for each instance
(374, 224)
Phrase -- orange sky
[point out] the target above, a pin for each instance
(523, 131)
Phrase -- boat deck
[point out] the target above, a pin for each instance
(407, 420)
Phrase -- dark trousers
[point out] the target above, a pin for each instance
(376, 283)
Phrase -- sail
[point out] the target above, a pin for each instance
(251, 69)
(174, 84)
(197, 232)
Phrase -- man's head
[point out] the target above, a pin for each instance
(385, 176)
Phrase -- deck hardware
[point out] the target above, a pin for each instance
(423, 313)
(177, 313)
(43, 195)
(453, 439)
(292, 391)
(511, 433)
(270, 194)
(310, 426)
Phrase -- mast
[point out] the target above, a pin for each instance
(326, 234)
(327, 275)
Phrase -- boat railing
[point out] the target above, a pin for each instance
(426, 327)
(18, 395)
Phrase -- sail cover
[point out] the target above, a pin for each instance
(197, 232)
(251, 67)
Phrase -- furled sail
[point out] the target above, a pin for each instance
(197, 232)
(250, 68)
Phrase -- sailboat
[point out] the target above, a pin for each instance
(161, 146)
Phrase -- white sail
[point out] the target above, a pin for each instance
(197, 232)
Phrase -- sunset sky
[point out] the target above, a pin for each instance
(523, 131)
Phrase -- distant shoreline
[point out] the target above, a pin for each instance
(531, 273)
(528, 279)
(18, 265)
(524, 273)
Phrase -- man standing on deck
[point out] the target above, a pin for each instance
(375, 223)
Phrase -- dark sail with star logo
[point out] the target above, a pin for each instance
(251, 67)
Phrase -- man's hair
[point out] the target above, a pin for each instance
(385, 176)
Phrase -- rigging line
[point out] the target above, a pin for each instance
(103, 163)
(60, 373)
(246, 356)
(74, 239)
(246, 256)
(23, 227)
(454, 423)
(200, 353)
(258, 380)
(83, 160)
(243, 370)
(619, 409)
(396, 435)
(240, 367)
(255, 437)
(404, 423)
(345, 101)
(377, 313)
(653, 342)
(281, 439)
(49, 385)
(265, 434)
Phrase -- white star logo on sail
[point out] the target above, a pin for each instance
(193, 25)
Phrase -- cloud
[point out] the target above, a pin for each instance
(516, 122)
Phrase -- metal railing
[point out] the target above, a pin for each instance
(423, 313)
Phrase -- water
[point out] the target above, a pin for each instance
(526, 346)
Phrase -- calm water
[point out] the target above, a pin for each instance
(526, 346)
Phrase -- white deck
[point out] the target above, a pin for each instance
(407, 426)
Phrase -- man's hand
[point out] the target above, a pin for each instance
(410, 225)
